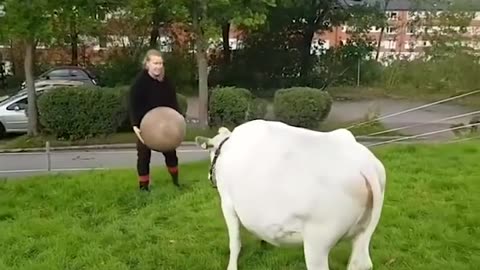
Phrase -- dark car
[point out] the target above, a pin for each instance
(70, 73)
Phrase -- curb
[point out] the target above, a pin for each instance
(81, 147)
(133, 145)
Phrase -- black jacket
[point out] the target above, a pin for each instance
(147, 93)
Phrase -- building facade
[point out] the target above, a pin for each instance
(404, 37)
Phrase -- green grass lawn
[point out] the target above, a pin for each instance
(99, 220)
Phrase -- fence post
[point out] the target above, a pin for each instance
(47, 149)
(358, 71)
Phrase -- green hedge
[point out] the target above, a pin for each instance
(232, 106)
(183, 103)
(257, 108)
(302, 106)
(81, 112)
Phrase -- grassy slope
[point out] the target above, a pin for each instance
(99, 221)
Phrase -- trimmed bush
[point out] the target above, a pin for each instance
(302, 106)
(183, 103)
(80, 112)
(228, 106)
(233, 106)
(257, 108)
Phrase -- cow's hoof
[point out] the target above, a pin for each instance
(365, 264)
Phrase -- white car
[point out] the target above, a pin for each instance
(12, 108)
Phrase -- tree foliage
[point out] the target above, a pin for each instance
(28, 21)
(205, 17)
(72, 20)
(286, 51)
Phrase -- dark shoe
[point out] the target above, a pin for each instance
(174, 174)
(144, 186)
(175, 179)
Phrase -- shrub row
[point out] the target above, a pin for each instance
(83, 112)
(232, 106)
(298, 106)
(302, 106)
(74, 113)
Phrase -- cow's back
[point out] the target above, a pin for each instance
(278, 176)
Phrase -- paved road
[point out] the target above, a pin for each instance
(25, 164)
(15, 165)
(356, 111)
(347, 111)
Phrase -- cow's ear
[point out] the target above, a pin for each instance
(224, 131)
(203, 142)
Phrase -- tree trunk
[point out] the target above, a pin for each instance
(305, 50)
(74, 41)
(226, 43)
(17, 56)
(379, 44)
(202, 63)
(382, 31)
(154, 35)
(199, 16)
(153, 38)
(74, 51)
(32, 111)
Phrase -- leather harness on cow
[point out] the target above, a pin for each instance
(214, 161)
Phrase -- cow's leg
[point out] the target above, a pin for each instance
(233, 227)
(318, 241)
(360, 257)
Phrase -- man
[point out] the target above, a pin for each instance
(151, 89)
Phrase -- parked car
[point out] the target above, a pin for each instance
(12, 108)
(70, 73)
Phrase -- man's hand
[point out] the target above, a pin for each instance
(137, 132)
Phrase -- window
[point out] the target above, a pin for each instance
(423, 43)
(392, 15)
(391, 30)
(79, 74)
(410, 30)
(410, 45)
(59, 73)
(21, 104)
(389, 44)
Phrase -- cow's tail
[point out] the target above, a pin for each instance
(376, 180)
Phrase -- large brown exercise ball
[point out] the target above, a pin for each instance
(163, 129)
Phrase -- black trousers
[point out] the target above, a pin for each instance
(144, 155)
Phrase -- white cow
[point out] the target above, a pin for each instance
(293, 186)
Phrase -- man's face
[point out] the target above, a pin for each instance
(155, 66)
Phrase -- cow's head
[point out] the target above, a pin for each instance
(212, 144)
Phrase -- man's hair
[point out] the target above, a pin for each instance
(149, 54)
